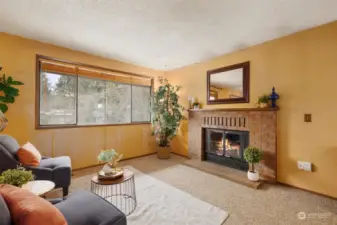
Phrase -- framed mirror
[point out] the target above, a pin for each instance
(227, 85)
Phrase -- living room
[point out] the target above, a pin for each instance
(123, 51)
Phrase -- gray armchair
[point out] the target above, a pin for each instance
(56, 169)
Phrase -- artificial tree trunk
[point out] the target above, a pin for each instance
(253, 168)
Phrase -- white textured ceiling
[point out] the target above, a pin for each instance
(161, 34)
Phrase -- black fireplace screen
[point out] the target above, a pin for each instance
(226, 145)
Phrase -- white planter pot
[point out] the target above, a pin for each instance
(263, 105)
(107, 169)
(253, 176)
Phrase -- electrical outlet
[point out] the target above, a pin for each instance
(307, 118)
(306, 166)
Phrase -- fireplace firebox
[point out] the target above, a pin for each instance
(226, 147)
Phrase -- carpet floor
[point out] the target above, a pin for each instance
(273, 204)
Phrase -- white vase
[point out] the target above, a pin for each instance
(107, 169)
(263, 105)
(253, 176)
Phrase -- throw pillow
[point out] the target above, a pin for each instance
(28, 155)
(29, 209)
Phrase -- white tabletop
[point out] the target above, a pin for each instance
(39, 187)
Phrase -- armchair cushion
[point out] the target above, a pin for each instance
(55, 163)
(8, 148)
(10, 144)
(61, 169)
(41, 173)
(90, 210)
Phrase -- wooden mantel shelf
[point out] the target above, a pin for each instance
(234, 109)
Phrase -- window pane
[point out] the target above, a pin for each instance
(141, 104)
(91, 101)
(118, 103)
(57, 99)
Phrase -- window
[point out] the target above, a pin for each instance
(76, 95)
(57, 99)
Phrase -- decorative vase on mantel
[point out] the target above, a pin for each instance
(273, 97)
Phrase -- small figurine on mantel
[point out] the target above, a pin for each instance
(273, 97)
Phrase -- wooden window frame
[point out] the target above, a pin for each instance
(40, 58)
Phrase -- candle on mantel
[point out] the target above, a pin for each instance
(190, 102)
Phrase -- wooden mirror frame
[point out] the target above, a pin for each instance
(245, 89)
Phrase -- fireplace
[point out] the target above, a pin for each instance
(226, 147)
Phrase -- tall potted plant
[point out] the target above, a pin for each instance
(166, 115)
(253, 156)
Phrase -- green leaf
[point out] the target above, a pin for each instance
(8, 91)
(9, 80)
(7, 99)
(14, 82)
(11, 91)
(3, 107)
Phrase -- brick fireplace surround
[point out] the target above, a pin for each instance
(261, 124)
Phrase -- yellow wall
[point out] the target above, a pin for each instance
(303, 68)
(83, 144)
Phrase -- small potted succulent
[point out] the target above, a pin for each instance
(263, 101)
(253, 156)
(111, 158)
(196, 105)
(16, 177)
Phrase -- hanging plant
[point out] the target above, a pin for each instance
(8, 91)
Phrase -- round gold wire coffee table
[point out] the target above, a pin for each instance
(119, 192)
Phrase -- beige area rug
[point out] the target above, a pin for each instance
(161, 204)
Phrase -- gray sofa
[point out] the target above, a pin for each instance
(80, 208)
(56, 169)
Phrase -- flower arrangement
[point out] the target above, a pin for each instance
(110, 156)
(16, 177)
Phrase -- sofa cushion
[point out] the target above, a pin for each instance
(5, 216)
(28, 155)
(10, 144)
(90, 210)
(28, 209)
